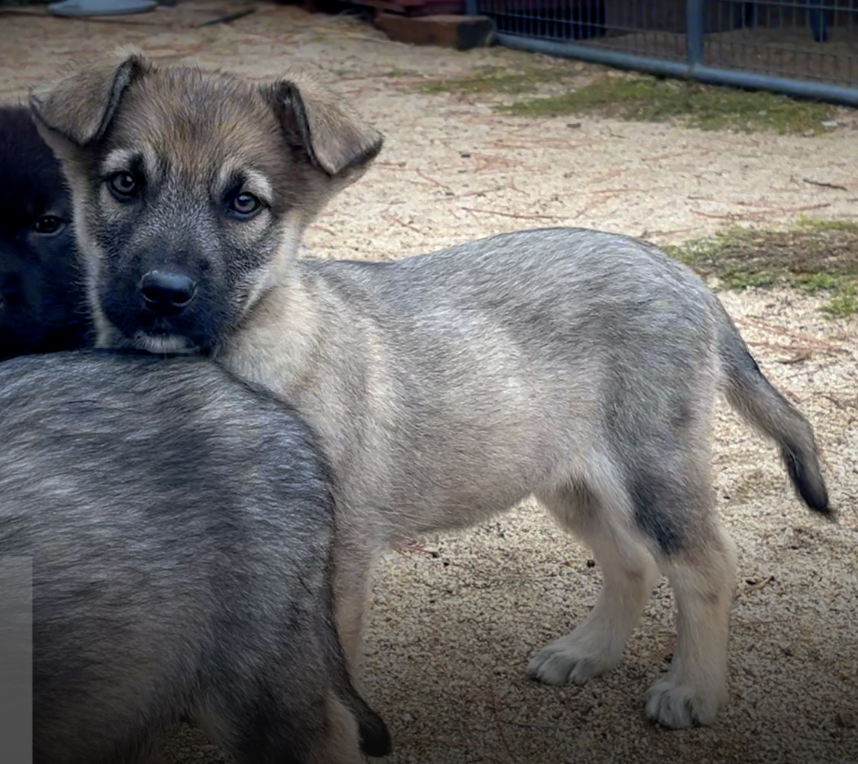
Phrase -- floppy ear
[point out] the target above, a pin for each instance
(335, 138)
(78, 110)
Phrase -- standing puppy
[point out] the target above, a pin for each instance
(179, 524)
(574, 365)
(42, 306)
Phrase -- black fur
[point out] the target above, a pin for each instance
(816, 497)
(649, 494)
(42, 305)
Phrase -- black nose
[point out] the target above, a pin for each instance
(167, 292)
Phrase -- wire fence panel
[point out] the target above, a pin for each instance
(807, 47)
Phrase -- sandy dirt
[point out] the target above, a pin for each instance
(454, 618)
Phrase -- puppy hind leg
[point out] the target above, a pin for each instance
(703, 579)
(340, 744)
(674, 508)
(629, 575)
(352, 570)
(286, 715)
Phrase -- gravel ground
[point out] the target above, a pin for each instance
(455, 617)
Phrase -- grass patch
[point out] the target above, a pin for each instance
(397, 72)
(641, 98)
(814, 255)
(844, 304)
(498, 79)
(644, 98)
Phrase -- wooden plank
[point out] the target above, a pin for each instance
(445, 30)
(414, 7)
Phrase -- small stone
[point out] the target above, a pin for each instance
(845, 719)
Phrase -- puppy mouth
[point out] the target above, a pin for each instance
(148, 332)
(164, 342)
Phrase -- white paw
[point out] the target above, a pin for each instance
(567, 661)
(677, 705)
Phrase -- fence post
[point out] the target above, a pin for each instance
(694, 37)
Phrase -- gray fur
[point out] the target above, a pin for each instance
(180, 525)
(575, 365)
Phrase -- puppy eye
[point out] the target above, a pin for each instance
(123, 184)
(244, 205)
(48, 225)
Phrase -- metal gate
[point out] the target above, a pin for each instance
(799, 47)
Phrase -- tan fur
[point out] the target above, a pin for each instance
(577, 366)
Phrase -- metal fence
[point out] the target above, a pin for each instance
(800, 47)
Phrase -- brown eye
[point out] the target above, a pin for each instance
(48, 224)
(123, 184)
(244, 205)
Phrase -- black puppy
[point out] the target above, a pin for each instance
(42, 306)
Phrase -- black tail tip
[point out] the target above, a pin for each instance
(375, 738)
(816, 499)
(808, 485)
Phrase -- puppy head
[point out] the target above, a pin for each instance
(39, 297)
(191, 190)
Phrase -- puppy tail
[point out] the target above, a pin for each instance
(374, 735)
(753, 396)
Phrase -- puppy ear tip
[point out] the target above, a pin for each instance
(36, 101)
(128, 51)
(374, 149)
(374, 143)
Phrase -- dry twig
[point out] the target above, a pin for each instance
(430, 179)
(761, 214)
(399, 221)
(498, 723)
(814, 341)
(825, 185)
(511, 214)
(759, 585)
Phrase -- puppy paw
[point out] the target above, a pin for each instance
(567, 661)
(677, 706)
